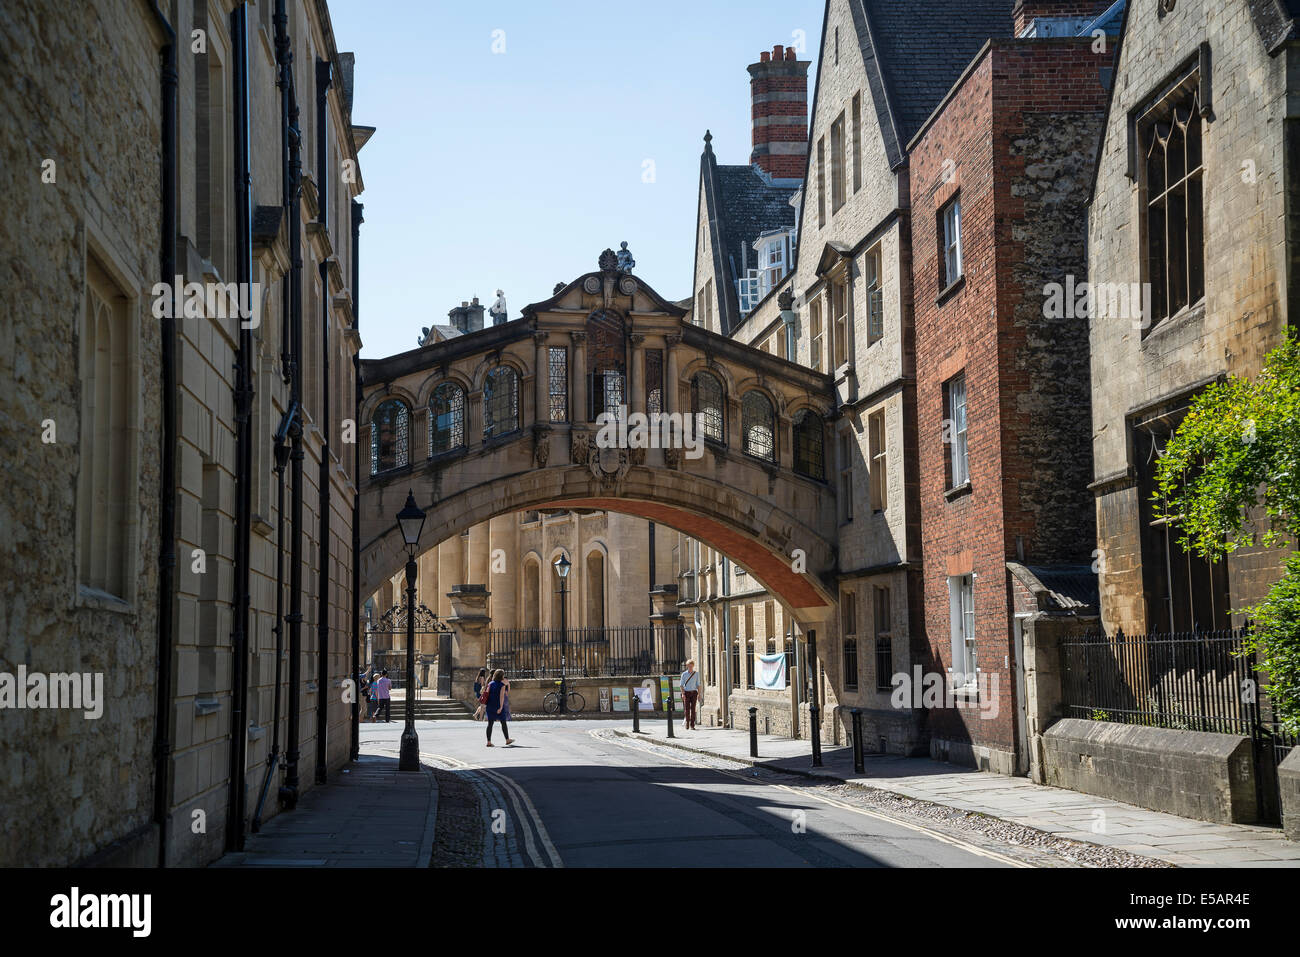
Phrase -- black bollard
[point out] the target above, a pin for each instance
(814, 715)
(636, 715)
(858, 766)
(669, 705)
(753, 732)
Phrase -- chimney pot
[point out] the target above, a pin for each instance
(764, 57)
(778, 52)
(790, 54)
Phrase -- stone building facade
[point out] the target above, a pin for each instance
(1221, 72)
(166, 530)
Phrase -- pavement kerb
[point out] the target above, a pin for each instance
(832, 776)
(430, 819)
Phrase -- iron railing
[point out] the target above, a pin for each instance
(1195, 681)
(587, 652)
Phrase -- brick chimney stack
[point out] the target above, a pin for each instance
(778, 88)
(1026, 11)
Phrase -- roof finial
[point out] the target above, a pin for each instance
(708, 141)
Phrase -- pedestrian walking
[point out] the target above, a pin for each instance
(691, 692)
(363, 690)
(383, 692)
(480, 691)
(373, 703)
(498, 706)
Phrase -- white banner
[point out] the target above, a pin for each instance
(769, 672)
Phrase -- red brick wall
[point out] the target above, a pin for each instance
(780, 72)
(1027, 383)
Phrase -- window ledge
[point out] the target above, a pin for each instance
(88, 597)
(953, 494)
(455, 453)
(947, 292)
(1183, 316)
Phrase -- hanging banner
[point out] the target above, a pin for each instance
(770, 671)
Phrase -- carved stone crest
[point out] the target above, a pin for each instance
(541, 445)
(579, 443)
(672, 457)
(636, 456)
(608, 465)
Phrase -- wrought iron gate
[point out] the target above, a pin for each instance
(432, 647)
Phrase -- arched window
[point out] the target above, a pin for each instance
(389, 446)
(809, 444)
(500, 402)
(758, 422)
(706, 400)
(595, 590)
(446, 418)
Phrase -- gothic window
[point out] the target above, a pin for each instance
(1173, 170)
(532, 613)
(446, 418)
(654, 381)
(758, 423)
(809, 445)
(706, 400)
(606, 363)
(558, 383)
(389, 445)
(500, 402)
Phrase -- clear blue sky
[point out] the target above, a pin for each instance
(515, 169)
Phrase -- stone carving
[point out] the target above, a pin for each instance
(559, 287)
(607, 465)
(498, 310)
(608, 261)
(591, 285)
(672, 457)
(541, 445)
(627, 285)
(785, 299)
(625, 260)
(579, 444)
(636, 456)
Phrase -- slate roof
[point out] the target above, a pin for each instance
(914, 53)
(1069, 587)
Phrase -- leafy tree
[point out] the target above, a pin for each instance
(1230, 477)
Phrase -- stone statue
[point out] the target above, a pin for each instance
(625, 260)
(498, 310)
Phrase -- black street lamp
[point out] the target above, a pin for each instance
(562, 566)
(411, 521)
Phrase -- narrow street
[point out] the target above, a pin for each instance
(574, 794)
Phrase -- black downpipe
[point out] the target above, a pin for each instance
(289, 791)
(356, 481)
(243, 396)
(162, 745)
(323, 543)
(281, 461)
(284, 80)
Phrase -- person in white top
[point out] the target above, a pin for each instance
(691, 691)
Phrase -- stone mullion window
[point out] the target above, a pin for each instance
(446, 419)
(1173, 194)
(500, 402)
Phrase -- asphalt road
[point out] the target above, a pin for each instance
(574, 794)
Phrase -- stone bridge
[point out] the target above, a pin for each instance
(510, 418)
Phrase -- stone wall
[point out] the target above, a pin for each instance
(1196, 774)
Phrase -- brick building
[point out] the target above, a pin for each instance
(999, 176)
(1219, 72)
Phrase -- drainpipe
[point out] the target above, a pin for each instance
(162, 744)
(284, 80)
(323, 511)
(289, 791)
(281, 460)
(726, 633)
(243, 400)
(357, 220)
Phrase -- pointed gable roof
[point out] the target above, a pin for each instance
(914, 53)
(740, 203)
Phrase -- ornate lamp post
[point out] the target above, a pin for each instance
(562, 566)
(411, 521)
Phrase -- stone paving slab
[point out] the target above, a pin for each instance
(368, 815)
(1179, 841)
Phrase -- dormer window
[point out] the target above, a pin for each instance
(774, 254)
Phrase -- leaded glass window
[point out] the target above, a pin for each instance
(558, 377)
(1174, 205)
(389, 440)
(759, 425)
(654, 380)
(500, 402)
(446, 418)
(706, 400)
(606, 362)
(809, 445)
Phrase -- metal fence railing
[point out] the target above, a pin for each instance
(587, 652)
(1197, 681)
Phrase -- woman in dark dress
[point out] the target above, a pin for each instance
(498, 706)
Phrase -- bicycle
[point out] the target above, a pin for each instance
(555, 702)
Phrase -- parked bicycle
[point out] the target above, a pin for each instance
(558, 701)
